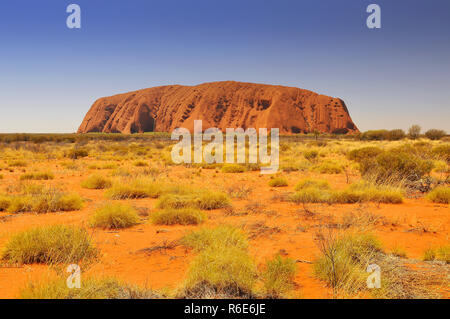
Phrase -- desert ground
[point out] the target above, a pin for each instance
(139, 226)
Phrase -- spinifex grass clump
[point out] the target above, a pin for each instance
(137, 188)
(317, 191)
(440, 253)
(364, 191)
(223, 267)
(344, 259)
(114, 216)
(37, 176)
(41, 199)
(183, 216)
(96, 182)
(202, 200)
(278, 182)
(91, 288)
(278, 276)
(50, 245)
(440, 194)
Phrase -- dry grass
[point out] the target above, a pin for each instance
(278, 182)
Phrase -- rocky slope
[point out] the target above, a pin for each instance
(219, 104)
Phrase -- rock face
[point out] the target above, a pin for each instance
(218, 104)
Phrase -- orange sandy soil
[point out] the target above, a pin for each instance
(414, 226)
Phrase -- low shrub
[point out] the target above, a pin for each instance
(114, 216)
(435, 134)
(375, 135)
(50, 245)
(440, 194)
(364, 154)
(96, 182)
(183, 216)
(396, 164)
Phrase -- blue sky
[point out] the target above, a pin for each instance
(390, 78)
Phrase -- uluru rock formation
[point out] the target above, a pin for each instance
(218, 104)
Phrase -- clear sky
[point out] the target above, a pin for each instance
(390, 78)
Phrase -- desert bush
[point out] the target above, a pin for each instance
(278, 276)
(233, 168)
(414, 132)
(37, 176)
(375, 135)
(96, 182)
(343, 260)
(395, 164)
(91, 288)
(440, 194)
(278, 182)
(183, 216)
(365, 153)
(441, 253)
(228, 272)
(435, 134)
(138, 188)
(40, 199)
(222, 236)
(395, 135)
(311, 155)
(50, 245)
(114, 216)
